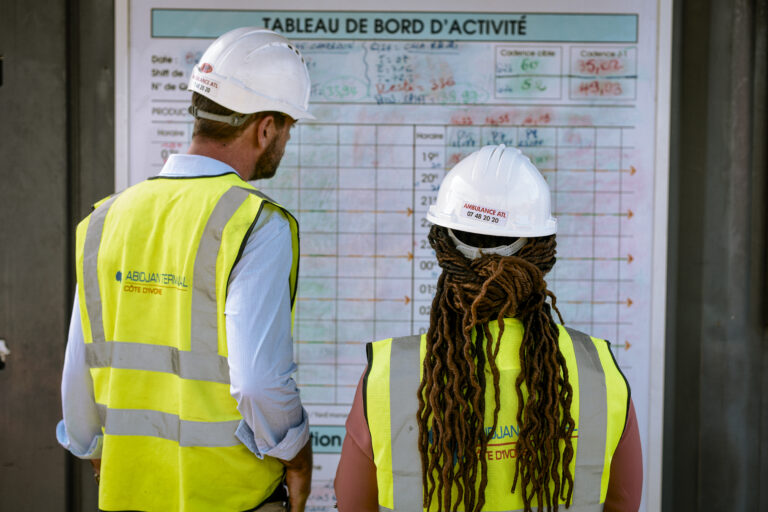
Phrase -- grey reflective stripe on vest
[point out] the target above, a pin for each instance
(593, 423)
(202, 362)
(205, 332)
(90, 270)
(403, 402)
(102, 410)
(136, 422)
(91, 289)
(259, 194)
(157, 358)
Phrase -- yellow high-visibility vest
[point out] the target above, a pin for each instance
(599, 407)
(153, 264)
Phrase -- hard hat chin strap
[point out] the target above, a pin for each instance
(232, 119)
(473, 253)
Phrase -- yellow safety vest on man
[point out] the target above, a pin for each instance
(153, 264)
(599, 407)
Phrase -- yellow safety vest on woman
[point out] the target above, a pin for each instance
(599, 407)
(153, 264)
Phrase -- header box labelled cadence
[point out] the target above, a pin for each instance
(419, 26)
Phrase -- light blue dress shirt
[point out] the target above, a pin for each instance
(258, 317)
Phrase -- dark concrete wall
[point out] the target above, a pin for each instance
(717, 346)
(56, 157)
(33, 248)
(91, 107)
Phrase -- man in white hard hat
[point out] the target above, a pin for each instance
(496, 407)
(177, 379)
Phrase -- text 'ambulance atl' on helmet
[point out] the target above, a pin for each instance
(252, 69)
(495, 191)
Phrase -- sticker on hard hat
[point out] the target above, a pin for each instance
(206, 68)
(203, 84)
(484, 214)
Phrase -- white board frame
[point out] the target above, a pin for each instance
(655, 421)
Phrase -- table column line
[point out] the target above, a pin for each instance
(336, 301)
(413, 233)
(375, 221)
(594, 225)
(618, 267)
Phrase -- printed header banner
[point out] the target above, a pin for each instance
(335, 25)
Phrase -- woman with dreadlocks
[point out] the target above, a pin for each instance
(496, 407)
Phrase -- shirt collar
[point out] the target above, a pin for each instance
(187, 166)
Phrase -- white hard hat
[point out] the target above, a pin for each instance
(252, 69)
(495, 191)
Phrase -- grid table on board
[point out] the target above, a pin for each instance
(361, 192)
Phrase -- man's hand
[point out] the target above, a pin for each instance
(96, 463)
(298, 477)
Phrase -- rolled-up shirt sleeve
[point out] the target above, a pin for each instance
(260, 345)
(80, 430)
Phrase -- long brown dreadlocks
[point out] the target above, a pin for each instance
(470, 294)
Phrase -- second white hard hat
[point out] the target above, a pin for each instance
(495, 191)
(252, 69)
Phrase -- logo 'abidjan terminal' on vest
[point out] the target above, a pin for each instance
(151, 283)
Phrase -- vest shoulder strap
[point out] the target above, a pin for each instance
(592, 421)
(294, 277)
(404, 406)
(404, 369)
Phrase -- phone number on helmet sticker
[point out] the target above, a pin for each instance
(484, 214)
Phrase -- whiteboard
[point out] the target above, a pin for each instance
(400, 96)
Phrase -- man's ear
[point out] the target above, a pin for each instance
(265, 131)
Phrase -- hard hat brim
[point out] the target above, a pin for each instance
(236, 97)
(549, 228)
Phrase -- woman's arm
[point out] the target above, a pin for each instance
(355, 484)
(625, 487)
